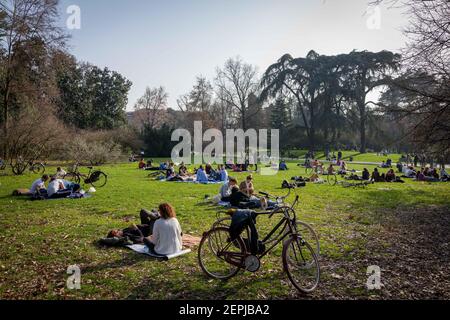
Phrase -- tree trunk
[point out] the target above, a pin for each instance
(362, 128)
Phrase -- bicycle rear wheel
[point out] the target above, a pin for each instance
(100, 179)
(301, 264)
(218, 256)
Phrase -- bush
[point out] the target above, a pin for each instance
(94, 152)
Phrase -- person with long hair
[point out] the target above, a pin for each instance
(167, 236)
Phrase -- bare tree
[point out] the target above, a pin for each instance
(424, 87)
(199, 99)
(24, 22)
(235, 82)
(149, 108)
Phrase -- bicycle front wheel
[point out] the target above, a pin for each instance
(309, 235)
(301, 264)
(218, 256)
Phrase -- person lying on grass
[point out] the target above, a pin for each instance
(134, 234)
(166, 238)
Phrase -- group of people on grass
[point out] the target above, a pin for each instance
(57, 187)
(159, 230)
(242, 195)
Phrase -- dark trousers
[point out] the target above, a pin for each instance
(61, 194)
(149, 218)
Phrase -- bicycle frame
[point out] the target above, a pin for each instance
(287, 222)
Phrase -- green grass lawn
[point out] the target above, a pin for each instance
(346, 155)
(39, 240)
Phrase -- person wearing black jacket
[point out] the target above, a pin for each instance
(236, 197)
(136, 233)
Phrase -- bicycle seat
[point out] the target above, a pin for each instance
(90, 167)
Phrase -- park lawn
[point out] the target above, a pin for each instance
(346, 155)
(357, 228)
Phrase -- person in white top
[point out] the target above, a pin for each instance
(56, 189)
(167, 235)
(225, 190)
(39, 184)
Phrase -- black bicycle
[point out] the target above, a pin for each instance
(96, 178)
(221, 257)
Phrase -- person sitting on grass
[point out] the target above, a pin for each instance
(366, 174)
(247, 186)
(317, 165)
(163, 166)
(314, 178)
(390, 176)
(142, 164)
(343, 168)
(331, 170)
(376, 176)
(38, 186)
(283, 166)
(60, 173)
(166, 237)
(435, 174)
(170, 172)
(201, 175)
(57, 190)
(444, 175)
(225, 190)
(223, 173)
(182, 170)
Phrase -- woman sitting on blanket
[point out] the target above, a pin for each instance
(166, 238)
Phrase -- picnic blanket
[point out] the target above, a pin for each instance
(143, 249)
(188, 242)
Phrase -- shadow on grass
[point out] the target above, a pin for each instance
(129, 258)
(198, 286)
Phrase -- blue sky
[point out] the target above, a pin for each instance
(170, 42)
